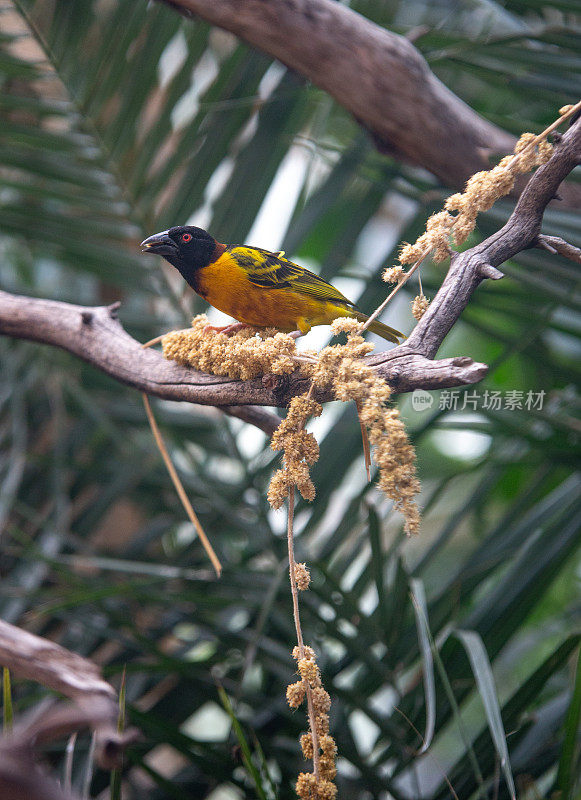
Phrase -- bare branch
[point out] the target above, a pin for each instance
(21, 778)
(96, 335)
(554, 244)
(520, 233)
(488, 271)
(43, 661)
(254, 415)
(378, 76)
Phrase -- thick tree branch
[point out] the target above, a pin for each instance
(380, 77)
(95, 334)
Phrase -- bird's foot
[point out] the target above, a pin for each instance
(296, 334)
(234, 327)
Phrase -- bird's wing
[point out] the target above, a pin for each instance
(271, 271)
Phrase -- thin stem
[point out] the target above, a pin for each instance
(408, 275)
(68, 767)
(365, 441)
(305, 359)
(291, 561)
(156, 340)
(552, 126)
(297, 618)
(179, 487)
(162, 336)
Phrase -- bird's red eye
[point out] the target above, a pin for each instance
(187, 237)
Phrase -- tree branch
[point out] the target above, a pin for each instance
(521, 232)
(554, 244)
(37, 659)
(378, 76)
(96, 335)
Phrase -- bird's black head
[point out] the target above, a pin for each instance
(186, 247)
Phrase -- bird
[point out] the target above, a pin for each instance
(256, 287)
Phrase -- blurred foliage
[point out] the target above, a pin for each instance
(119, 119)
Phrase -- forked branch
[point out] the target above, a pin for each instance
(96, 335)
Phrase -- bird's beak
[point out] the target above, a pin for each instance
(159, 243)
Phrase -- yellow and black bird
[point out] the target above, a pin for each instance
(254, 286)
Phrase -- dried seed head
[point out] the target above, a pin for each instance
(322, 724)
(307, 745)
(321, 700)
(307, 652)
(309, 671)
(243, 355)
(346, 325)
(326, 790)
(300, 450)
(481, 192)
(327, 767)
(394, 274)
(306, 786)
(295, 693)
(328, 746)
(420, 306)
(302, 577)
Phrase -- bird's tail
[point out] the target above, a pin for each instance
(380, 329)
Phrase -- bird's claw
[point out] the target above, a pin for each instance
(234, 327)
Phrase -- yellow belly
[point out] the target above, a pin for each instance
(225, 285)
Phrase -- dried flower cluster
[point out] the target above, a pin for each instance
(300, 451)
(394, 274)
(318, 745)
(341, 367)
(482, 190)
(420, 306)
(243, 355)
(302, 577)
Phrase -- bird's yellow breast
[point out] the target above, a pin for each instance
(224, 284)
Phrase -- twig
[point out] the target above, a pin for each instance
(180, 489)
(45, 662)
(21, 778)
(155, 340)
(394, 291)
(554, 244)
(365, 442)
(38, 659)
